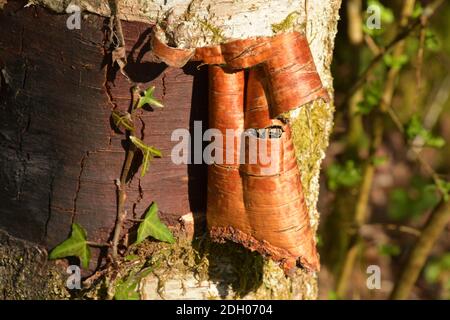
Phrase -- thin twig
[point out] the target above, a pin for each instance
(121, 183)
(417, 258)
(115, 25)
(391, 227)
(98, 244)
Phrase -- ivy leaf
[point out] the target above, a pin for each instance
(122, 119)
(75, 245)
(127, 289)
(148, 151)
(153, 227)
(149, 99)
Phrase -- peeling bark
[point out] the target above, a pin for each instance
(54, 188)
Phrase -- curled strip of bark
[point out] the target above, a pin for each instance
(171, 56)
(263, 201)
(292, 77)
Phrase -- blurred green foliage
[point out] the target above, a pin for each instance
(412, 201)
(346, 175)
(389, 250)
(415, 128)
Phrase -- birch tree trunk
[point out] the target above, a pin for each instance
(229, 271)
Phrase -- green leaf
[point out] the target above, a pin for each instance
(75, 245)
(378, 161)
(389, 250)
(395, 62)
(372, 97)
(444, 188)
(418, 10)
(127, 289)
(414, 128)
(122, 119)
(432, 42)
(149, 99)
(436, 268)
(148, 152)
(412, 201)
(153, 227)
(346, 175)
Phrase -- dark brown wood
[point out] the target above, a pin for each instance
(59, 155)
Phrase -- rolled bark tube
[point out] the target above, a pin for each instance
(275, 205)
(226, 109)
(279, 222)
(256, 105)
(225, 201)
(292, 75)
(225, 206)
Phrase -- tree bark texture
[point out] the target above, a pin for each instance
(59, 155)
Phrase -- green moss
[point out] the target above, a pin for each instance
(311, 125)
(216, 33)
(25, 272)
(237, 272)
(287, 24)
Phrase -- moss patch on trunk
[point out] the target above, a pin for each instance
(26, 274)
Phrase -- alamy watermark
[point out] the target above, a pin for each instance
(73, 22)
(374, 279)
(74, 280)
(252, 146)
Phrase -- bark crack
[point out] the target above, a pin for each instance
(50, 208)
(163, 80)
(77, 191)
